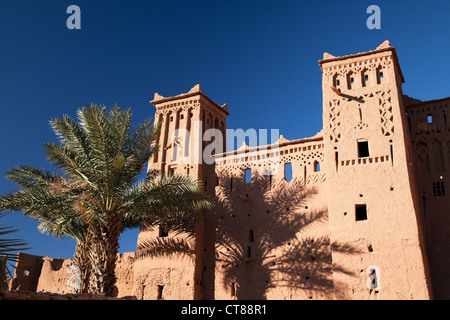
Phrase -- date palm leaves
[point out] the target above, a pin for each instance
(96, 193)
(8, 247)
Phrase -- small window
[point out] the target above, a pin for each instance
(316, 166)
(251, 237)
(361, 212)
(438, 189)
(163, 232)
(160, 292)
(233, 289)
(363, 149)
(429, 118)
(288, 171)
(248, 175)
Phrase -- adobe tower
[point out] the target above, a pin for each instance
(372, 197)
(184, 119)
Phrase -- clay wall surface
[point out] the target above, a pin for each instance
(54, 275)
(26, 273)
(430, 152)
(272, 239)
(164, 266)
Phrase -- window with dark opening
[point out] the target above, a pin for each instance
(363, 149)
(438, 189)
(248, 175)
(160, 292)
(163, 232)
(361, 212)
(233, 289)
(250, 236)
(336, 159)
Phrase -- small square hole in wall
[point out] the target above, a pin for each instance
(163, 232)
(361, 212)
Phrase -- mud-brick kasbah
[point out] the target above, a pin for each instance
(365, 213)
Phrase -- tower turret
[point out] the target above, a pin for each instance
(372, 202)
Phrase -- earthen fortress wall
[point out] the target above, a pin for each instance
(358, 211)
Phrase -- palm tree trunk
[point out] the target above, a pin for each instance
(104, 247)
(81, 259)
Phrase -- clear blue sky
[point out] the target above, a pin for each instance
(259, 57)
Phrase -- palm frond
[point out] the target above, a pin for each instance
(7, 247)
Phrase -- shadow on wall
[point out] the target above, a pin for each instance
(261, 250)
(269, 246)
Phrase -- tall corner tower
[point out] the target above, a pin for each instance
(183, 119)
(376, 232)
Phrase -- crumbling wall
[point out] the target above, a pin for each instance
(125, 273)
(37, 274)
(54, 275)
(26, 273)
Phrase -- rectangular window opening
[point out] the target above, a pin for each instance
(336, 158)
(250, 236)
(361, 212)
(438, 189)
(429, 118)
(316, 166)
(288, 171)
(233, 289)
(392, 154)
(160, 292)
(248, 175)
(163, 232)
(363, 149)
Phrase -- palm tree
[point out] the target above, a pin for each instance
(7, 246)
(40, 199)
(98, 192)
